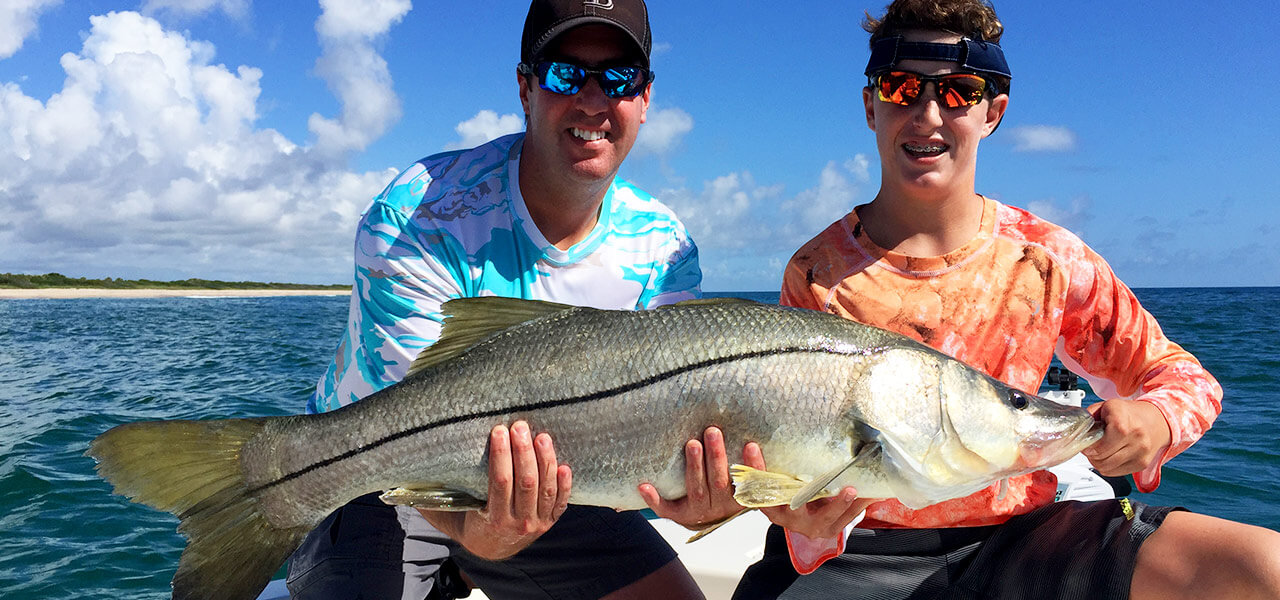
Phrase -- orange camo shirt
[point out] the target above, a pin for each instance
(1005, 303)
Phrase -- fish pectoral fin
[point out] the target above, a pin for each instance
(754, 488)
(817, 488)
(432, 498)
(469, 321)
(709, 527)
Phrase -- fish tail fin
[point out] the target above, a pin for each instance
(193, 470)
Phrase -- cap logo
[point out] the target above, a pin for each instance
(601, 4)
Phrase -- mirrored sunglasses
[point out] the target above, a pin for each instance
(567, 78)
(955, 90)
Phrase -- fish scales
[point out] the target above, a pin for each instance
(764, 375)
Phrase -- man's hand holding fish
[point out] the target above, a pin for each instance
(528, 491)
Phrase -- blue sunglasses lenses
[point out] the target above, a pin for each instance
(567, 79)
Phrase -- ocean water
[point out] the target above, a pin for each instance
(71, 369)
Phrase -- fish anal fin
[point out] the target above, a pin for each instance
(709, 527)
(469, 321)
(432, 498)
(754, 488)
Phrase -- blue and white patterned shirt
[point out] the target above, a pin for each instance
(454, 225)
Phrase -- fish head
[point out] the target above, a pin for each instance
(1012, 431)
(947, 430)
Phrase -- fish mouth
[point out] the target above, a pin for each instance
(1050, 448)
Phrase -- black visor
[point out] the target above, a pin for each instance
(973, 55)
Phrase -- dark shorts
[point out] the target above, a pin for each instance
(380, 551)
(1066, 550)
(590, 551)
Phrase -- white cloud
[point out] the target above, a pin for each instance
(237, 9)
(355, 72)
(663, 129)
(1043, 138)
(723, 215)
(728, 221)
(17, 21)
(485, 126)
(1071, 217)
(835, 195)
(746, 231)
(150, 161)
(360, 19)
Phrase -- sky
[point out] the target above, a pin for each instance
(241, 139)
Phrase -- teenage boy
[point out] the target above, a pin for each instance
(537, 215)
(1003, 291)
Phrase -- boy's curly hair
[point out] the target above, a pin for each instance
(972, 18)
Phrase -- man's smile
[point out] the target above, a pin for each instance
(587, 135)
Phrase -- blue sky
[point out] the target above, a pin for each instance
(234, 139)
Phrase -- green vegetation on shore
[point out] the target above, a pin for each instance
(58, 280)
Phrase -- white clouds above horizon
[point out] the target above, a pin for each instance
(18, 22)
(151, 160)
(1043, 138)
(150, 156)
(745, 230)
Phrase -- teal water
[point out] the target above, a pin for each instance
(71, 369)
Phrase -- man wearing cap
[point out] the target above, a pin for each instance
(1004, 291)
(539, 215)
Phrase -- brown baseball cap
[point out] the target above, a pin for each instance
(550, 18)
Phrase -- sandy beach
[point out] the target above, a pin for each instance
(64, 293)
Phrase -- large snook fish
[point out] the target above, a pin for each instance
(831, 403)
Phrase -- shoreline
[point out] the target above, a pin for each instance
(72, 293)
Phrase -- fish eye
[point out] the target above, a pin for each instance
(1018, 400)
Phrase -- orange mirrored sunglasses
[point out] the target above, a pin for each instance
(955, 90)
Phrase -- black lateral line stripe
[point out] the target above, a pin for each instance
(544, 404)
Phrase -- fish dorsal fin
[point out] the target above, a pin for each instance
(814, 489)
(709, 302)
(469, 321)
